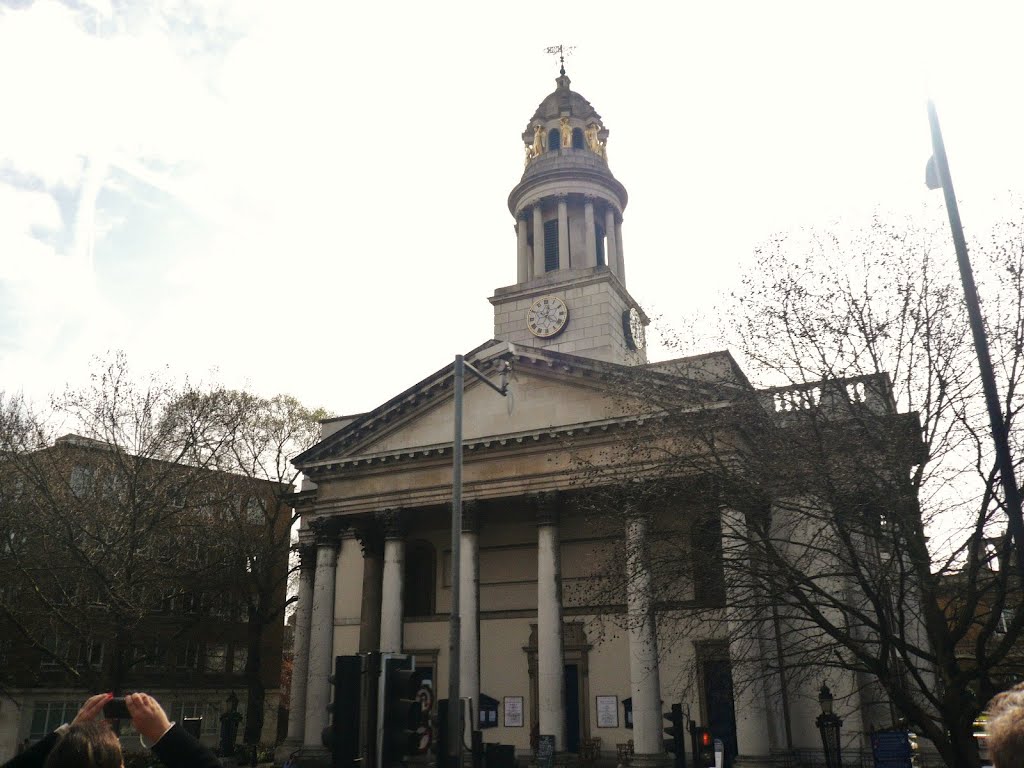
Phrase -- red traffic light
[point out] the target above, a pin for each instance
(705, 738)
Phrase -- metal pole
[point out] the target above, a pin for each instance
(455, 620)
(1011, 492)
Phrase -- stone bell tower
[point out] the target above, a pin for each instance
(570, 292)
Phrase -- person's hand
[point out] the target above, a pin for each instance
(148, 717)
(92, 707)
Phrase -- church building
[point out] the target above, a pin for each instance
(537, 655)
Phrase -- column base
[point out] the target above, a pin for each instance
(286, 749)
(754, 761)
(660, 760)
(561, 760)
(317, 757)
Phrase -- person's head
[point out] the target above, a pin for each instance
(86, 745)
(1004, 729)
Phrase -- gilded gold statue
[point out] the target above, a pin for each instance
(566, 132)
(538, 140)
(592, 141)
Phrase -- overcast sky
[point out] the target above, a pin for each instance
(310, 197)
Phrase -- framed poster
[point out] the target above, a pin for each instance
(607, 711)
(513, 711)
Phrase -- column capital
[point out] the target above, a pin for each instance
(562, 197)
(546, 507)
(307, 558)
(326, 532)
(524, 213)
(394, 523)
(371, 537)
(470, 516)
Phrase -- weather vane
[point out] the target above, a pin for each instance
(562, 51)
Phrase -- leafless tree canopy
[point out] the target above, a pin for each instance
(134, 512)
(845, 510)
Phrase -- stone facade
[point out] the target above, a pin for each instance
(548, 638)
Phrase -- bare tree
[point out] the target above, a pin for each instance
(163, 519)
(846, 512)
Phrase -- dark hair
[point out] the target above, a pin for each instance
(89, 745)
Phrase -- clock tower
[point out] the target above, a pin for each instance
(570, 292)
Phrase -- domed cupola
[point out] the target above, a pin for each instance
(568, 209)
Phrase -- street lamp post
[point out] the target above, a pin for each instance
(455, 620)
(829, 724)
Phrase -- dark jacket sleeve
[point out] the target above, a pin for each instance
(179, 749)
(34, 756)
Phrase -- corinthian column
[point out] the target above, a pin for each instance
(321, 634)
(563, 232)
(644, 673)
(753, 740)
(300, 649)
(550, 659)
(394, 572)
(538, 240)
(612, 250)
(522, 242)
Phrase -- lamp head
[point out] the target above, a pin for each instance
(825, 699)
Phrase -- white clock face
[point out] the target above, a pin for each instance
(547, 316)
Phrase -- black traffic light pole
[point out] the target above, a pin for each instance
(675, 731)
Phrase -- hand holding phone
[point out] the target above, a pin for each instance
(116, 709)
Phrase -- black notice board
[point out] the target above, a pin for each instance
(545, 751)
(891, 749)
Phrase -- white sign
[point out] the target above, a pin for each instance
(513, 711)
(607, 711)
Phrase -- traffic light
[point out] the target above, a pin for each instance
(675, 743)
(341, 737)
(703, 748)
(401, 712)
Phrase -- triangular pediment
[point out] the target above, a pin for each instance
(548, 392)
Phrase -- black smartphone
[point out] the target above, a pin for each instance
(116, 709)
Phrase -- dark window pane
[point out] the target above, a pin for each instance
(554, 139)
(577, 138)
(551, 245)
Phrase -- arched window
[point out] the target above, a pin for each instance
(577, 138)
(554, 139)
(420, 580)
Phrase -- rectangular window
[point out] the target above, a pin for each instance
(81, 480)
(188, 656)
(551, 245)
(47, 715)
(254, 512)
(90, 654)
(599, 239)
(60, 650)
(216, 658)
(238, 660)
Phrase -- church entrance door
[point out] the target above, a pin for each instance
(572, 708)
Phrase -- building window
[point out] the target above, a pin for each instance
(59, 650)
(577, 138)
(551, 245)
(216, 659)
(554, 139)
(254, 512)
(81, 480)
(188, 656)
(708, 576)
(420, 579)
(238, 660)
(90, 654)
(599, 239)
(47, 715)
